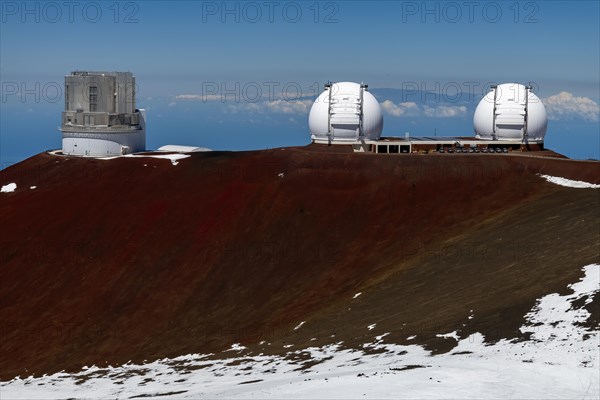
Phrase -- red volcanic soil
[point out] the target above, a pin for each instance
(134, 258)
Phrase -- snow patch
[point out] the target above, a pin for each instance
(356, 295)
(32, 187)
(451, 335)
(370, 327)
(553, 317)
(569, 183)
(236, 347)
(8, 188)
(174, 158)
(299, 325)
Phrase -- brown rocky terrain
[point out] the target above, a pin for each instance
(135, 258)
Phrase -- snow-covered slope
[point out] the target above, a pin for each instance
(559, 360)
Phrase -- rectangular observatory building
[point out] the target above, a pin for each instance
(100, 116)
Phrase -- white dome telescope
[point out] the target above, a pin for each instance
(510, 111)
(345, 113)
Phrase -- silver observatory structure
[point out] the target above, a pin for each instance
(100, 117)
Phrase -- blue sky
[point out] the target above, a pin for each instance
(181, 51)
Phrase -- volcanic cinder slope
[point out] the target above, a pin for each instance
(138, 258)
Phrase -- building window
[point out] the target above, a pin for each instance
(93, 98)
(66, 97)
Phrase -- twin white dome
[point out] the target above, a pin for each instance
(510, 112)
(345, 113)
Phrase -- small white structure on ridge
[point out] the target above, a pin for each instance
(176, 148)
